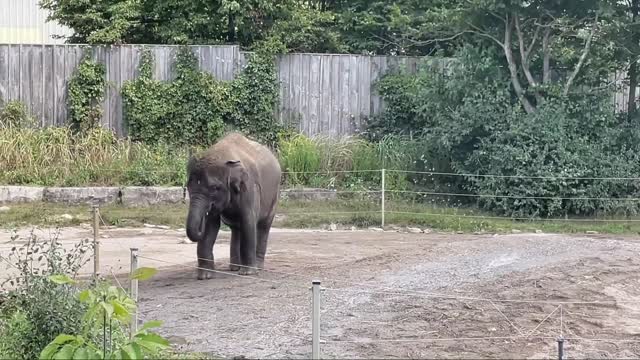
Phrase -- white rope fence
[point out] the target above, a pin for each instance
(316, 290)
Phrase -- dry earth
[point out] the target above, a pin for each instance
(383, 294)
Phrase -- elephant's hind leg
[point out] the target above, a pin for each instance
(205, 248)
(234, 248)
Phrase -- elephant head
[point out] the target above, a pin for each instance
(211, 185)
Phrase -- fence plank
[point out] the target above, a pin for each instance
(319, 93)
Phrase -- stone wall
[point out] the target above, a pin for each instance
(128, 196)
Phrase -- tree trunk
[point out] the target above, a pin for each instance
(513, 69)
(231, 29)
(632, 73)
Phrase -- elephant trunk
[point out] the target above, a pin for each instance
(195, 220)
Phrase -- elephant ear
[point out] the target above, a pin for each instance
(238, 176)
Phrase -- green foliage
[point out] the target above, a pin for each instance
(473, 124)
(55, 156)
(108, 312)
(36, 310)
(86, 93)
(194, 109)
(186, 111)
(14, 114)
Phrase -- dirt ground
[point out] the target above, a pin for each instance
(393, 295)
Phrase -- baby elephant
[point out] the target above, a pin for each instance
(236, 181)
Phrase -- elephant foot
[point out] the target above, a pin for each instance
(248, 271)
(260, 264)
(234, 267)
(204, 274)
(204, 269)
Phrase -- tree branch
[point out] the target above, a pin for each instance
(513, 70)
(478, 31)
(524, 53)
(546, 54)
(583, 58)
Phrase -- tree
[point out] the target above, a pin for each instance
(539, 40)
(168, 21)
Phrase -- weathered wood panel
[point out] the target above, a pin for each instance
(319, 93)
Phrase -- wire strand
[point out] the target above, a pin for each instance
(469, 298)
(511, 196)
(511, 176)
(245, 277)
(510, 218)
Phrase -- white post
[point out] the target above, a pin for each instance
(96, 241)
(315, 320)
(133, 292)
(382, 198)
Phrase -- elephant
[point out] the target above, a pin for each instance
(236, 181)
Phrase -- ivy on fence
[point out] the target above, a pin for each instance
(86, 93)
(194, 109)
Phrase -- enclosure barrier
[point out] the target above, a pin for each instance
(316, 300)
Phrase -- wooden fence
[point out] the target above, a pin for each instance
(320, 94)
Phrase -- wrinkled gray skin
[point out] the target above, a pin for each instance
(236, 181)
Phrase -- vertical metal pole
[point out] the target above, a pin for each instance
(133, 292)
(560, 348)
(96, 241)
(315, 320)
(382, 198)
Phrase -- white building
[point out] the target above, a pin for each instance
(23, 22)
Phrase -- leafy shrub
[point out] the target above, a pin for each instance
(15, 114)
(186, 111)
(37, 310)
(86, 93)
(108, 312)
(194, 108)
(472, 124)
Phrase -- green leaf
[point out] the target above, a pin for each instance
(143, 273)
(49, 351)
(152, 342)
(63, 339)
(119, 310)
(66, 352)
(81, 354)
(137, 351)
(85, 295)
(61, 279)
(127, 352)
(108, 308)
(150, 324)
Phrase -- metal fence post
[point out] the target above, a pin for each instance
(96, 240)
(382, 198)
(315, 320)
(561, 348)
(133, 292)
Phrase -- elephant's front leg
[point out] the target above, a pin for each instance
(205, 247)
(248, 247)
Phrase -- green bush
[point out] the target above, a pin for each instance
(471, 123)
(186, 111)
(14, 114)
(86, 93)
(195, 109)
(36, 310)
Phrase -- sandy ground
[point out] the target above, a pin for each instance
(393, 295)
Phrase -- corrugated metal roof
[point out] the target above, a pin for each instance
(23, 22)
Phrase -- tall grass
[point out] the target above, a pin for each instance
(347, 162)
(59, 157)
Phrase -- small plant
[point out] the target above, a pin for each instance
(14, 114)
(86, 93)
(36, 310)
(109, 309)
